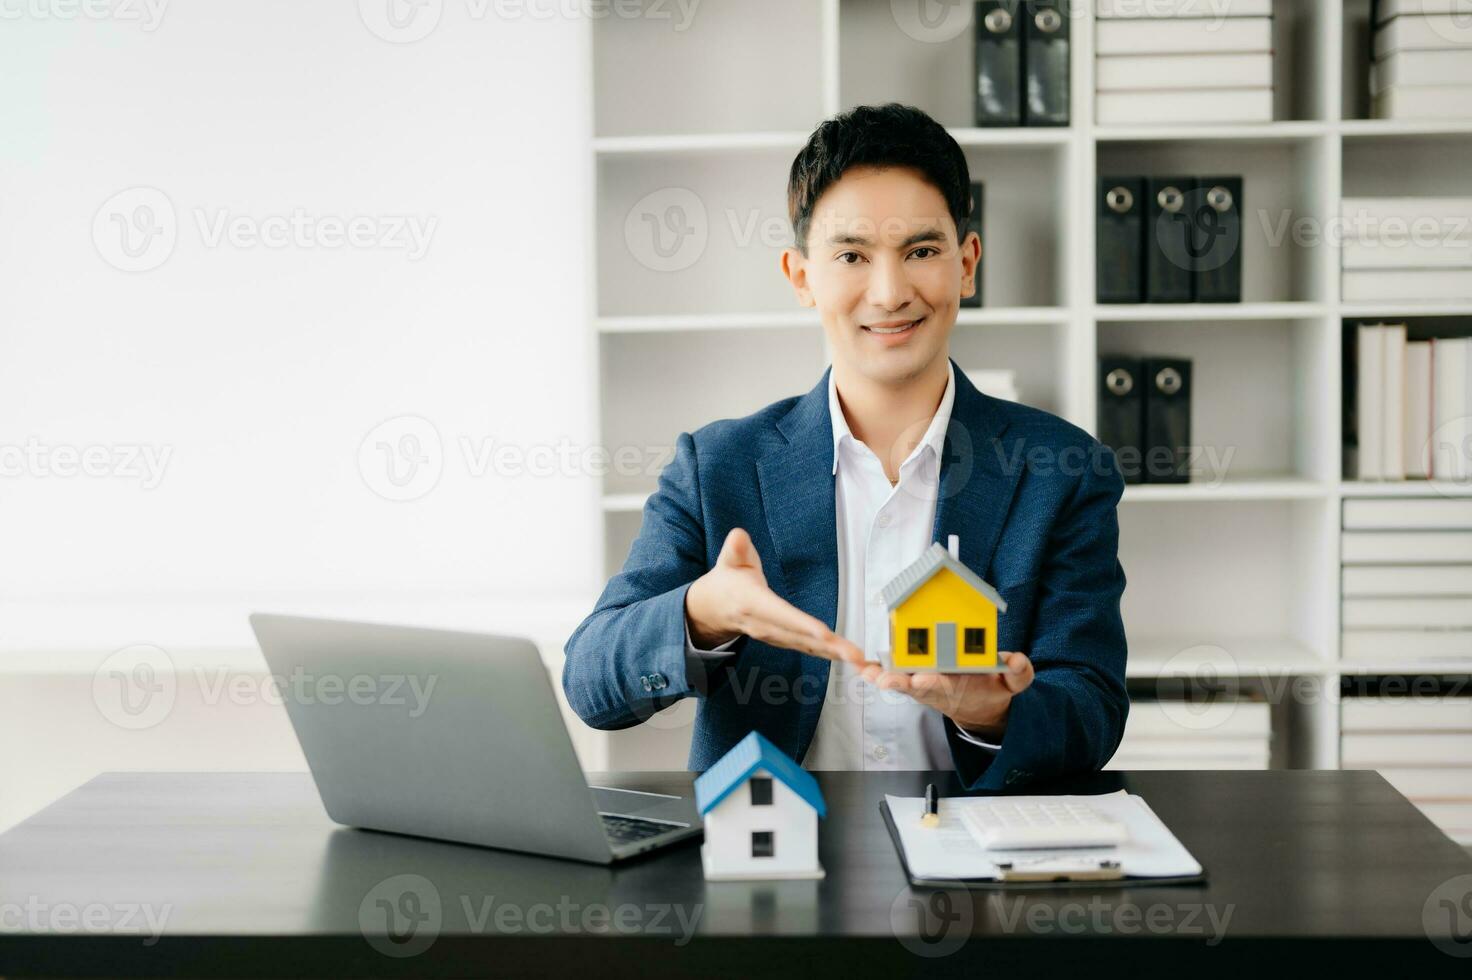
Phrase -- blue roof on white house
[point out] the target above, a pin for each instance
(750, 754)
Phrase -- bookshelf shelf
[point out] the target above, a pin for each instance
(1405, 488)
(723, 337)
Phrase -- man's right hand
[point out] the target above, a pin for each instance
(733, 599)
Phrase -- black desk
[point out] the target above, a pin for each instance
(1328, 871)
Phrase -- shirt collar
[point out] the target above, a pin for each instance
(934, 437)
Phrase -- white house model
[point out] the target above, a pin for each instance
(761, 813)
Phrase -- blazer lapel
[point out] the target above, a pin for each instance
(797, 497)
(978, 477)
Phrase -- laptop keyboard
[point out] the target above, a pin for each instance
(630, 830)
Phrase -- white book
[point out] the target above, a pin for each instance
(1452, 66)
(1410, 714)
(1430, 783)
(1418, 411)
(1393, 462)
(1182, 72)
(1151, 9)
(1405, 547)
(1451, 421)
(1419, 8)
(1406, 285)
(1422, 102)
(1448, 247)
(1393, 217)
(1408, 580)
(1370, 400)
(1429, 513)
(1197, 106)
(1421, 33)
(1406, 646)
(1408, 613)
(1369, 751)
(1183, 35)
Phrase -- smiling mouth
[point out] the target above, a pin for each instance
(891, 331)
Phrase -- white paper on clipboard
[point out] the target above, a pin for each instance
(949, 851)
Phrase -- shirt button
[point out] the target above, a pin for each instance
(884, 520)
(881, 753)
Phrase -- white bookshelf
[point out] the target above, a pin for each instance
(1249, 563)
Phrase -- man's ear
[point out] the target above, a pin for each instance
(970, 262)
(794, 267)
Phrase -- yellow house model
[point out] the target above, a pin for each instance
(942, 616)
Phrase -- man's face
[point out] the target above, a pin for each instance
(885, 271)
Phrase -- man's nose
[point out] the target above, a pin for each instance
(889, 287)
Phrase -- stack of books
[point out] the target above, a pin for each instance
(1407, 248)
(1183, 61)
(1221, 734)
(1407, 581)
(1422, 60)
(1412, 417)
(1421, 742)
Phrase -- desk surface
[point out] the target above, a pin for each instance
(248, 877)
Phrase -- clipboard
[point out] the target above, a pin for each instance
(1085, 877)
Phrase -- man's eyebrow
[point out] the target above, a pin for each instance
(923, 235)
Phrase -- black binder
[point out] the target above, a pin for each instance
(1120, 240)
(998, 63)
(1122, 413)
(978, 225)
(1045, 63)
(1167, 419)
(1169, 238)
(1217, 217)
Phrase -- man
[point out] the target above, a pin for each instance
(754, 583)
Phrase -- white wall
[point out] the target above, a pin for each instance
(261, 371)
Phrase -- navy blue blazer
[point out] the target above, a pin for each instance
(1032, 498)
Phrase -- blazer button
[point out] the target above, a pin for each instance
(644, 680)
(658, 681)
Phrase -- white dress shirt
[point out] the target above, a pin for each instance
(882, 528)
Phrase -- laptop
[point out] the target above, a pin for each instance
(455, 736)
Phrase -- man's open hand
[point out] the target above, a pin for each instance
(733, 599)
(976, 702)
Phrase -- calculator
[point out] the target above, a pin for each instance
(1000, 825)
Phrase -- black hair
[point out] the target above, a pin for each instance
(890, 135)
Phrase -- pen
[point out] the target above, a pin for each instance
(931, 817)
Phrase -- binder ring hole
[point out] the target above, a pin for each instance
(1168, 380)
(1220, 199)
(1048, 20)
(1119, 200)
(998, 21)
(1119, 382)
(1170, 199)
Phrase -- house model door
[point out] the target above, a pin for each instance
(945, 646)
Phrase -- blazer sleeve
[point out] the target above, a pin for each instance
(1071, 718)
(629, 658)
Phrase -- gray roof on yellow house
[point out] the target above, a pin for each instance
(919, 572)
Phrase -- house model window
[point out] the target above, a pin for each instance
(919, 642)
(761, 791)
(975, 641)
(763, 843)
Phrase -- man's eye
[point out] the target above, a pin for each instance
(925, 248)
(843, 257)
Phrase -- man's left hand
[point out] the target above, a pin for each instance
(977, 703)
